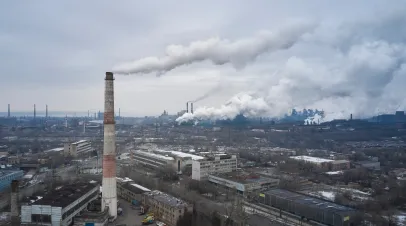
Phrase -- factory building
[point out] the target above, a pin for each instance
(77, 148)
(371, 165)
(151, 160)
(218, 164)
(309, 208)
(60, 206)
(130, 191)
(326, 164)
(159, 159)
(6, 176)
(166, 208)
(243, 183)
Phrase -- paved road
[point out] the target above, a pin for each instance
(130, 216)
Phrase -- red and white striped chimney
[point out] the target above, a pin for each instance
(109, 193)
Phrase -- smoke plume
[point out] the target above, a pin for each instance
(212, 91)
(357, 68)
(218, 51)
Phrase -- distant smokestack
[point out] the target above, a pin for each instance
(15, 216)
(46, 111)
(35, 112)
(187, 107)
(109, 195)
(351, 117)
(191, 107)
(8, 111)
(88, 113)
(119, 113)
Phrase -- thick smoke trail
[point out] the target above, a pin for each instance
(218, 51)
(212, 91)
(357, 69)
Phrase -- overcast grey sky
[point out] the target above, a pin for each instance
(56, 52)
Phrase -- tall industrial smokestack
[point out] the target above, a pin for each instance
(15, 216)
(46, 111)
(109, 194)
(35, 112)
(187, 107)
(8, 111)
(191, 107)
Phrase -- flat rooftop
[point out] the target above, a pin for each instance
(8, 172)
(64, 195)
(154, 156)
(244, 177)
(79, 142)
(308, 200)
(180, 154)
(54, 150)
(311, 159)
(135, 188)
(167, 199)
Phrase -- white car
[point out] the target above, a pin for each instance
(158, 223)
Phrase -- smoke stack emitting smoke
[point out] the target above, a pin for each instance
(357, 67)
(218, 51)
(109, 194)
(361, 73)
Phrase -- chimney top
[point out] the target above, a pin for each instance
(109, 76)
(14, 185)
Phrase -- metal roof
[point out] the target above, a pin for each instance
(63, 196)
(308, 200)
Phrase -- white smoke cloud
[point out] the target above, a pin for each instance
(357, 69)
(218, 51)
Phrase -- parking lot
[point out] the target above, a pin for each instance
(130, 216)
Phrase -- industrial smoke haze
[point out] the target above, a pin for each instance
(218, 51)
(354, 68)
(210, 92)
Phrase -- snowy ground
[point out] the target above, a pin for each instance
(401, 219)
(330, 195)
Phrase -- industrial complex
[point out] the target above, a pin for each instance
(111, 170)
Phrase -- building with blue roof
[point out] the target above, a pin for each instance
(6, 176)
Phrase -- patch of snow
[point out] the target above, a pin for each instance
(401, 220)
(334, 172)
(328, 195)
(311, 159)
(141, 187)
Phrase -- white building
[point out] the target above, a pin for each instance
(160, 158)
(59, 207)
(77, 148)
(151, 159)
(327, 164)
(201, 168)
